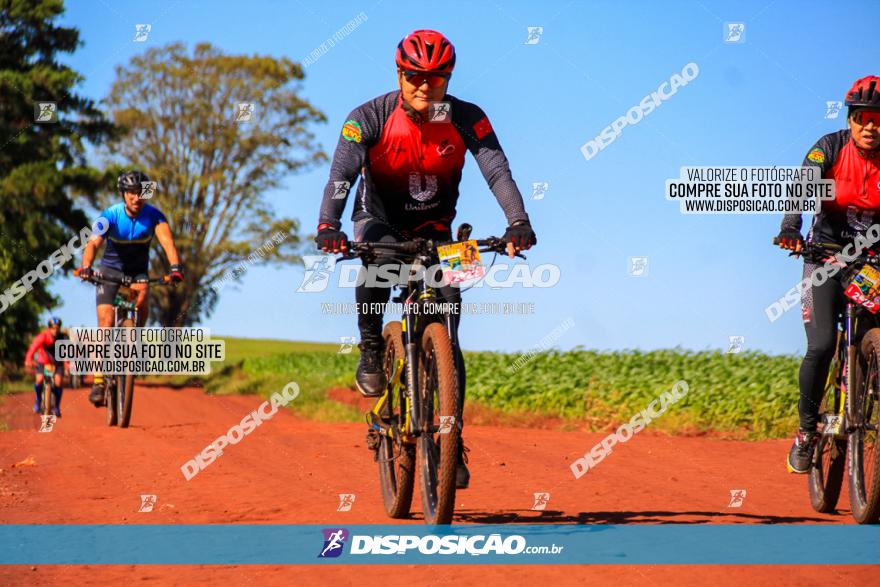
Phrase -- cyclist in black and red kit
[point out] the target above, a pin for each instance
(852, 159)
(408, 148)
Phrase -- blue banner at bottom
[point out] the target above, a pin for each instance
(251, 544)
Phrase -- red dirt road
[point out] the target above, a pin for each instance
(290, 470)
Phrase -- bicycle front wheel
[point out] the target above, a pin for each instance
(124, 390)
(46, 403)
(438, 445)
(124, 398)
(110, 386)
(826, 473)
(396, 458)
(864, 464)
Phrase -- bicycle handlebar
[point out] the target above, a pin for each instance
(97, 278)
(823, 249)
(420, 246)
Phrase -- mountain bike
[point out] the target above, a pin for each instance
(119, 389)
(416, 423)
(850, 408)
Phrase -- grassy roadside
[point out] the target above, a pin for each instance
(747, 395)
(263, 366)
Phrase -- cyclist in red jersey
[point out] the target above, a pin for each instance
(851, 158)
(40, 353)
(408, 148)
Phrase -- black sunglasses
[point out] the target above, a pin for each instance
(417, 78)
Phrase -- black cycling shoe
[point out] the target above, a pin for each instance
(370, 377)
(462, 475)
(800, 457)
(97, 396)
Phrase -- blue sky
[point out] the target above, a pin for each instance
(761, 102)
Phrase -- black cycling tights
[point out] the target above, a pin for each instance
(369, 298)
(820, 306)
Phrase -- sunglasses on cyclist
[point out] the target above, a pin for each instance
(863, 117)
(417, 78)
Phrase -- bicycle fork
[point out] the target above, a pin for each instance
(411, 350)
(849, 374)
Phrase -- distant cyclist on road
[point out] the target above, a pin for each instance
(851, 158)
(408, 148)
(132, 224)
(40, 353)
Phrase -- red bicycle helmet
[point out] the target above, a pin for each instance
(865, 93)
(427, 51)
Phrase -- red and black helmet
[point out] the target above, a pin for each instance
(427, 51)
(865, 93)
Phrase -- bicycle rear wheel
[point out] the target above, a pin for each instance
(863, 449)
(826, 474)
(396, 458)
(438, 453)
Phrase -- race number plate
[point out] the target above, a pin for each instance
(861, 285)
(461, 261)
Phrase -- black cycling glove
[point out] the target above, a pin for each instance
(790, 239)
(330, 239)
(521, 235)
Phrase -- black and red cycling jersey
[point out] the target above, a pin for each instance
(410, 168)
(42, 349)
(856, 175)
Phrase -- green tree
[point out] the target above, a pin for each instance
(184, 128)
(41, 163)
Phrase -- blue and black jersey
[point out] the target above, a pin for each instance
(128, 239)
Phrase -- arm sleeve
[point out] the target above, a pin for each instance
(359, 132)
(820, 156)
(481, 141)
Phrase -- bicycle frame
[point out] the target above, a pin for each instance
(124, 309)
(843, 377)
(416, 292)
(125, 300)
(412, 324)
(423, 347)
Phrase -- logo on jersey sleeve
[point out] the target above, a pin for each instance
(483, 127)
(817, 155)
(351, 131)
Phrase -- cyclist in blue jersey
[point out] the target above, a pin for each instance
(132, 224)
